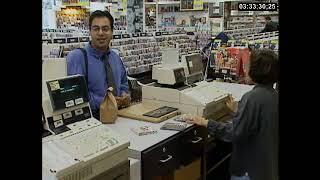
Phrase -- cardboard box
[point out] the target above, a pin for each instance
(189, 172)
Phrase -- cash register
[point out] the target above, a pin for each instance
(193, 96)
(80, 147)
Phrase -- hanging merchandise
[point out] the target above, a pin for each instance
(231, 64)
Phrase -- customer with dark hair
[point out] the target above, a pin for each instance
(270, 25)
(102, 66)
(254, 128)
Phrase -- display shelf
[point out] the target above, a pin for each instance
(169, 3)
(180, 41)
(138, 53)
(150, 3)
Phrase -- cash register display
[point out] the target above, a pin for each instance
(67, 92)
(179, 75)
(194, 63)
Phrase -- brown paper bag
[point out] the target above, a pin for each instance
(108, 108)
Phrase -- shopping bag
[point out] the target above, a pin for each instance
(108, 108)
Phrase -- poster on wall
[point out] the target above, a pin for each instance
(47, 11)
(73, 18)
(118, 9)
(134, 16)
(191, 5)
(198, 5)
(47, 5)
(76, 2)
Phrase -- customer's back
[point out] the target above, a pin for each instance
(258, 154)
(255, 149)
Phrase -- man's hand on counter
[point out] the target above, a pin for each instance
(124, 100)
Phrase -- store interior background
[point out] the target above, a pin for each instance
(187, 25)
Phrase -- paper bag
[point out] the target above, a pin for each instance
(108, 108)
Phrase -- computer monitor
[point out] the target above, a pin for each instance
(67, 92)
(194, 64)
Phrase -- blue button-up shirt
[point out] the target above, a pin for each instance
(97, 82)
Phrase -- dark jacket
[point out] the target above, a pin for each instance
(253, 133)
(270, 26)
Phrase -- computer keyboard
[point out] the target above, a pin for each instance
(88, 142)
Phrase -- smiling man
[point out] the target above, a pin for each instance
(104, 67)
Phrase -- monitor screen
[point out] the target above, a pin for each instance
(67, 92)
(194, 63)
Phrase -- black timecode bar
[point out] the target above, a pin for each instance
(245, 6)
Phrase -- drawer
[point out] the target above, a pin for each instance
(119, 172)
(192, 144)
(160, 160)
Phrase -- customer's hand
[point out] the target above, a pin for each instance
(196, 120)
(231, 104)
(124, 100)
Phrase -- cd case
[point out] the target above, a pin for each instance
(178, 126)
(143, 130)
(160, 111)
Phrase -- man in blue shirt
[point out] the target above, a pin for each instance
(105, 68)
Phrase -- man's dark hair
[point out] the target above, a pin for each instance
(264, 66)
(268, 18)
(99, 13)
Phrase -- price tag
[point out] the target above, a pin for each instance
(190, 33)
(116, 36)
(143, 34)
(60, 40)
(125, 36)
(84, 39)
(165, 33)
(72, 40)
(47, 40)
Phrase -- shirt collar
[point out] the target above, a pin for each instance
(95, 52)
(264, 85)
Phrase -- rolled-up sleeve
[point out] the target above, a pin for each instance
(244, 123)
(222, 131)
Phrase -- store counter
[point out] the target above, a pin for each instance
(161, 153)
